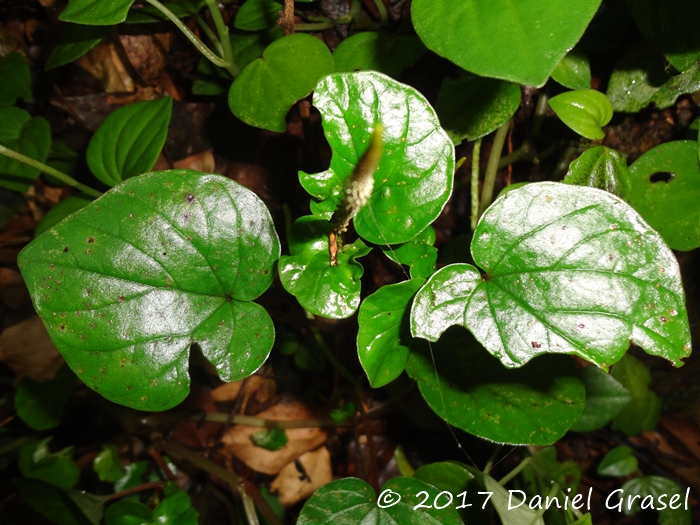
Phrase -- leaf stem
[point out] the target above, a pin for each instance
(524, 463)
(215, 59)
(476, 154)
(251, 421)
(286, 18)
(318, 26)
(382, 11)
(224, 36)
(212, 36)
(67, 179)
(492, 167)
(134, 490)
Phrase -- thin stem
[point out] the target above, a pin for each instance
(67, 179)
(492, 459)
(249, 507)
(286, 19)
(251, 421)
(222, 29)
(382, 11)
(543, 509)
(492, 167)
(476, 153)
(211, 56)
(212, 36)
(524, 463)
(540, 112)
(319, 26)
(134, 490)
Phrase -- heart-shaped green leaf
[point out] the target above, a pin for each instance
(371, 51)
(322, 289)
(96, 12)
(127, 284)
(383, 337)
(287, 71)
(350, 501)
(636, 77)
(672, 26)
(418, 254)
(585, 111)
(642, 412)
(668, 497)
(34, 141)
(666, 192)
(573, 71)
(16, 79)
(176, 509)
(517, 41)
(36, 462)
(619, 462)
(73, 42)
(533, 405)
(605, 398)
(40, 405)
(107, 464)
(603, 168)
(129, 141)
(258, 14)
(567, 270)
(13, 120)
(414, 177)
(471, 107)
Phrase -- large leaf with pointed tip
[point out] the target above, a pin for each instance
(414, 177)
(464, 385)
(666, 192)
(383, 336)
(128, 283)
(517, 41)
(350, 501)
(567, 270)
(287, 71)
(322, 289)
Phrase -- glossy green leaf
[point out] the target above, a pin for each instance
(505, 502)
(270, 438)
(129, 141)
(62, 506)
(686, 82)
(13, 120)
(40, 405)
(471, 107)
(418, 254)
(287, 71)
(73, 42)
(533, 405)
(603, 168)
(568, 270)
(107, 464)
(96, 12)
(36, 462)
(637, 76)
(619, 462)
(454, 477)
(16, 79)
(175, 509)
(605, 398)
(34, 141)
(62, 210)
(371, 51)
(666, 192)
(517, 41)
(146, 13)
(158, 263)
(258, 14)
(350, 501)
(574, 71)
(642, 412)
(657, 492)
(322, 289)
(414, 177)
(585, 111)
(672, 26)
(384, 335)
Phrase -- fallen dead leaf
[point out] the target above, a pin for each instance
(147, 54)
(300, 479)
(104, 63)
(28, 350)
(203, 161)
(300, 440)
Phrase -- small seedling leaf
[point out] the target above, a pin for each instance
(585, 111)
(603, 168)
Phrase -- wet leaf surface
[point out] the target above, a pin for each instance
(603, 168)
(160, 272)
